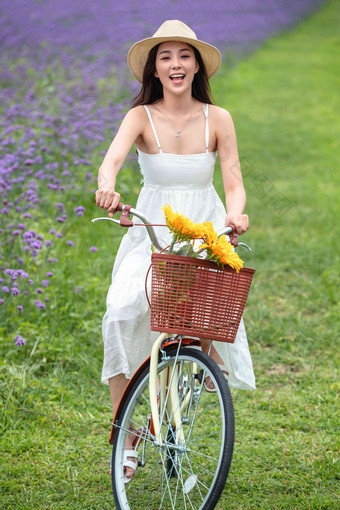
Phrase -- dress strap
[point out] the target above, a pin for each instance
(153, 128)
(205, 109)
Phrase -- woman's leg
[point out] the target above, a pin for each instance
(117, 386)
(205, 344)
(213, 353)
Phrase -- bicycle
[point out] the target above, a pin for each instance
(185, 435)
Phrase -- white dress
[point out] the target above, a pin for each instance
(185, 183)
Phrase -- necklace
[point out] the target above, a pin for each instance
(179, 131)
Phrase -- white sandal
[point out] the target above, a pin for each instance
(132, 464)
(213, 389)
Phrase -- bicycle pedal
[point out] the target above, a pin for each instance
(199, 376)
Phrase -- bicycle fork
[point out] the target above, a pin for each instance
(168, 397)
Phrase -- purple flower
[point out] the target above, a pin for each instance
(59, 234)
(39, 291)
(39, 304)
(19, 340)
(93, 248)
(27, 215)
(61, 220)
(20, 308)
(52, 231)
(49, 273)
(1, 301)
(27, 235)
(30, 281)
(15, 291)
(16, 233)
(70, 243)
(22, 273)
(79, 210)
(36, 245)
(45, 283)
(5, 288)
(48, 242)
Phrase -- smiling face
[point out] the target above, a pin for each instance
(176, 65)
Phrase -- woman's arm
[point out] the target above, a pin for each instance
(235, 194)
(131, 127)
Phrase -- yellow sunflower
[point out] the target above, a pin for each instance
(218, 249)
(182, 227)
(222, 253)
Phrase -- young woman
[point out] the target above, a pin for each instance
(178, 133)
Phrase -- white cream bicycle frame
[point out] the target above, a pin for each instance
(167, 399)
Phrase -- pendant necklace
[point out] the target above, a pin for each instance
(179, 131)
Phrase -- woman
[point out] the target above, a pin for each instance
(178, 132)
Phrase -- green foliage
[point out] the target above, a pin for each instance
(55, 414)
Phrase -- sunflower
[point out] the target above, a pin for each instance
(183, 228)
(218, 249)
(221, 251)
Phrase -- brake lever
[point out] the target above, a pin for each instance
(245, 246)
(106, 218)
(124, 217)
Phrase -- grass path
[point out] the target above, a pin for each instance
(55, 414)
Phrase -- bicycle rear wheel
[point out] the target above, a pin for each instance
(189, 469)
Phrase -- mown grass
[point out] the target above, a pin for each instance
(55, 414)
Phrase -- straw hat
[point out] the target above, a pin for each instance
(172, 30)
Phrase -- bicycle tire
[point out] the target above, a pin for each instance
(152, 486)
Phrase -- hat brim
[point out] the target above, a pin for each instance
(139, 52)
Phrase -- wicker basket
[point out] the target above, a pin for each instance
(196, 297)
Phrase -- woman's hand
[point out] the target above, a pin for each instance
(107, 199)
(240, 222)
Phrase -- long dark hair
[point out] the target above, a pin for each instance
(152, 89)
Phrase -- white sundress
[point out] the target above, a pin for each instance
(185, 183)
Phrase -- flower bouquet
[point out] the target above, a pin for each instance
(192, 295)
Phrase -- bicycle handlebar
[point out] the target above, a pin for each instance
(128, 210)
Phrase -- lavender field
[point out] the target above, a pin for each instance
(64, 89)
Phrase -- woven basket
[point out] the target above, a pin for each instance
(196, 297)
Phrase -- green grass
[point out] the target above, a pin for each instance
(55, 414)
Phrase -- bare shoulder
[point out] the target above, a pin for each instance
(136, 113)
(135, 119)
(220, 116)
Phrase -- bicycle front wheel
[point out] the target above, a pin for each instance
(187, 464)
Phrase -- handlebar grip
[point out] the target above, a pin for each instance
(233, 236)
(119, 207)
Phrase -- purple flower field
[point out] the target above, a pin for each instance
(64, 88)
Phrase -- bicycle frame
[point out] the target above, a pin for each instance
(166, 341)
